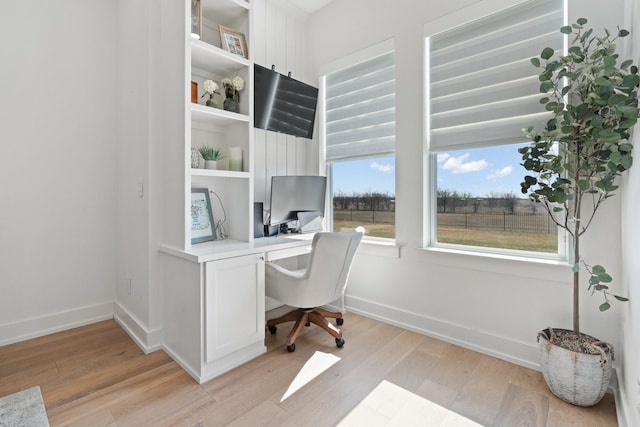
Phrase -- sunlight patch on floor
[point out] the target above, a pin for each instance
(390, 405)
(317, 364)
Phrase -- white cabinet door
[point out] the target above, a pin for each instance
(234, 305)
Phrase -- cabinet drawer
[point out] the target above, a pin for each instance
(288, 253)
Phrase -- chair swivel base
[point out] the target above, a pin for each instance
(305, 316)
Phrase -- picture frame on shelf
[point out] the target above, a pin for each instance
(233, 41)
(202, 225)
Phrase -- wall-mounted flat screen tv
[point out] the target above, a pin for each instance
(283, 104)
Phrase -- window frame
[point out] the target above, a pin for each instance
(355, 58)
(430, 205)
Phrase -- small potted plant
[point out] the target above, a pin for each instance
(593, 99)
(211, 155)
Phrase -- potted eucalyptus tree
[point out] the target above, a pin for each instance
(576, 158)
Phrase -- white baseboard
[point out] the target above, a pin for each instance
(54, 322)
(621, 398)
(184, 365)
(520, 353)
(148, 341)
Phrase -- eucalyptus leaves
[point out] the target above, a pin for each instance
(584, 146)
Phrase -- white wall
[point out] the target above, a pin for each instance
(629, 352)
(139, 176)
(280, 40)
(489, 304)
(57, 165)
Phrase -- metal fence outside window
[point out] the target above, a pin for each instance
(501, 221)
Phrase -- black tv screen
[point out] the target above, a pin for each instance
(283, 104)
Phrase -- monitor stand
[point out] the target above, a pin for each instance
(284, 228)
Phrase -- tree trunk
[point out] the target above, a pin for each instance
(576, 258)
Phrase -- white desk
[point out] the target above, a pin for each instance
(221, 249)
(214, 301)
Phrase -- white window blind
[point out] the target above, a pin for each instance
(482, 87)
(360, 109)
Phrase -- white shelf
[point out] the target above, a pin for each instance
(219, 173)
(226, 10)
(202, 113)
(208, 57)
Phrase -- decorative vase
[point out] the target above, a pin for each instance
(235, 158)
(211, 102)
(232, 100)
(195, 158)
(578, 378)
(210, 164)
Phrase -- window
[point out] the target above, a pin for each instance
(482, 91)
(359, 120)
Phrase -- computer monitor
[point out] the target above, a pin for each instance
(292, 194)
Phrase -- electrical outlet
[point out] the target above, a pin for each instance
(129, 286)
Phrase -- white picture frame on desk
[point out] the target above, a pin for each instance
(202, 225)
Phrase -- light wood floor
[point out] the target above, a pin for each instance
(96, 376)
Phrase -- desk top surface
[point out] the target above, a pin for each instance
(221, 249)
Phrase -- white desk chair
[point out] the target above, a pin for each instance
(323, 281)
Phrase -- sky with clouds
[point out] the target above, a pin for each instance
(479, 171)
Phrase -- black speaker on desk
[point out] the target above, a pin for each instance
(258, 226)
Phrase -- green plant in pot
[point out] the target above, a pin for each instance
(211, 155)
(574, 161)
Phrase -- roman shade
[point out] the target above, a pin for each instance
(360, 109)
(483, 88)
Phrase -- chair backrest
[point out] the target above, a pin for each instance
(330, 262)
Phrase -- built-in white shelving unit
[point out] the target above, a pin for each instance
(213, 315)
(193, 124)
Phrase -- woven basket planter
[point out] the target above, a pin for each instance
(578, 378)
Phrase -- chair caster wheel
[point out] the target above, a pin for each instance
(272, 329)
(291, 348)
(339, 321)
(339, 342)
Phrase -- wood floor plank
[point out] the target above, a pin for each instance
(522, 407)
(74, 385)
(108, 397)
(562, 414)
(40, 343)
(353, 360)
(266, 414)
(102, 418)
(454, 367)
(480, 398)
(176, 397)
(333, 403)
(97, 376)
(411, 370)
(437, 393)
